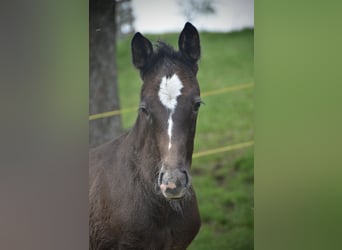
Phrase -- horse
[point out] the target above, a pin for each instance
(140, 191)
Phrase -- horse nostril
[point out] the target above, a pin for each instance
(160, 179)
(186, 178)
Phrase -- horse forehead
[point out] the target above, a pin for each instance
(176, 84)
(169, 89)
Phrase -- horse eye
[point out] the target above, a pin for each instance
(143, 108)
(197, 105)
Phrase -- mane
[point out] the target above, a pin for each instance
(164, 52)
(163, 49)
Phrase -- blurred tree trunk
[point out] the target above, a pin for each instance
(103, 72)
(193, 8)
(124, 18)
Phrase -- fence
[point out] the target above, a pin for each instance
(204, 94)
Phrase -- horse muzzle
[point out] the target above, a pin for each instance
(173, 182)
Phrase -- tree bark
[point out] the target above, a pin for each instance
(103, 90)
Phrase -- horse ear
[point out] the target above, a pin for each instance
(189, 42)
(141, 50)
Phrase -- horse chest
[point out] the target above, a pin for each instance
(156, 231)
(152, 238)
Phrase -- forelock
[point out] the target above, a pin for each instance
(165, 54)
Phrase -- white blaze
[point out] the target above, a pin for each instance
(170, 89)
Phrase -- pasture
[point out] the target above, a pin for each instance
(223, 181)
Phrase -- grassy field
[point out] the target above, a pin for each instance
(224, 181)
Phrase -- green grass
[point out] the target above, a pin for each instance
(224, 181)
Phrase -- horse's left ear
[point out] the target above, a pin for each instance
(141, 50)
(189, 42)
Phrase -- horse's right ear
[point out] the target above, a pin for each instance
(141, 50)
(189, 42)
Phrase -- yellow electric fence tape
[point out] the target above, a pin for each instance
(223, 149)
